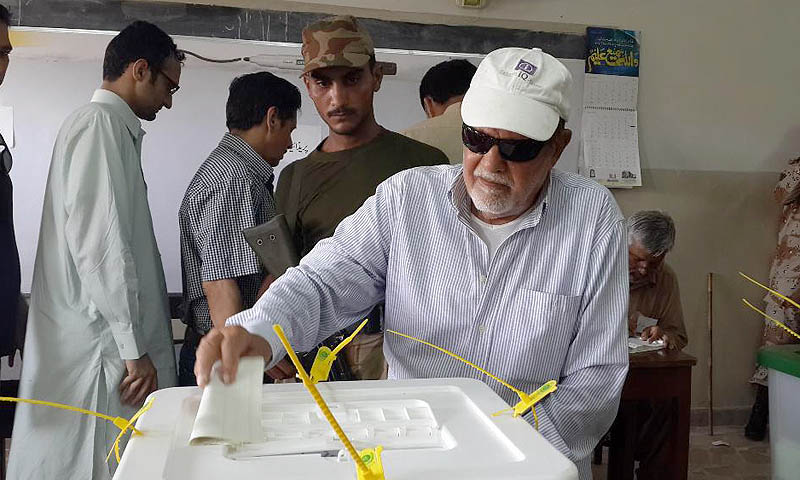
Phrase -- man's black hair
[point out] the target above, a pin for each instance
(139, 40)
(251, 95)
(5, 15)
(446, 80)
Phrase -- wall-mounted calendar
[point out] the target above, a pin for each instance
(610, 144)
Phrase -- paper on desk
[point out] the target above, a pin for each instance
(637, 345)
(643, 322)
(231, 414)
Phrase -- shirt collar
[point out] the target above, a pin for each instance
(253, 160)
(462, 204)
(121, 108)
(453, 110)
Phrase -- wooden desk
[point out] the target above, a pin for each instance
(658, 375)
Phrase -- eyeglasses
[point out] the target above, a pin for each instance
(511, 150)
(174, 87)
(6, 162)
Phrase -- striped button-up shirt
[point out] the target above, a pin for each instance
(551, 304)
(231, 191)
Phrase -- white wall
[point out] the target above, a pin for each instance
(44, 93)
(718, 88)
(180, 138)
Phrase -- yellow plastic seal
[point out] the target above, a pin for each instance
(368, 461)
(321, 369)
(777, 294)
(526, 401)
(121, 423)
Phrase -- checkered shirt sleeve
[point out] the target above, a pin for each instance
(219, 216)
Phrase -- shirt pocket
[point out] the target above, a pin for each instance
(544, 324)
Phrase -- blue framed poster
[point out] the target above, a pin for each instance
(610, 51)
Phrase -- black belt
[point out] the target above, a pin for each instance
(374, 325)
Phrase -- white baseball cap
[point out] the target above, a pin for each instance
(519, 90)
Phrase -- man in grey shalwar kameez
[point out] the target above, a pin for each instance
(98, 333)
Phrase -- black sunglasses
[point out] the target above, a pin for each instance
(511, 150)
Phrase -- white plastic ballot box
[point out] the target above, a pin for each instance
(430, 429)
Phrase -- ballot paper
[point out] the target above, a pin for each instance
(637, 345)
(231, 414)
(251, 425)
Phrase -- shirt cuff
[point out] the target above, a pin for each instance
(129, 348)
(263, 328)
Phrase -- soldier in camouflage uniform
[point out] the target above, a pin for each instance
(319, 191)
(784, 277)
(336, 42)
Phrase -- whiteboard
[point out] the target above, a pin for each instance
(179, 140)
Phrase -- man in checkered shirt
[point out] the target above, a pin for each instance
(231, 191)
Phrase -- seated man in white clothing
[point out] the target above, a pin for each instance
(513, 265)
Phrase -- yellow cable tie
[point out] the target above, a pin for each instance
(119, 422)
(497, 414)
(350, 338)
(780, 324)
(128, 424)
(372, 459)
(533, 410)
(368, 462)
(776, 293)
(447, 352)
(323, 362)
(530, 401)
(526, 401)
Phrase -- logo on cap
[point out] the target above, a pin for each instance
(525, 69)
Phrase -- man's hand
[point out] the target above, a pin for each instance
(668, 340)
(283, 370)
(140, 382)
(228, 344)
(651, 334)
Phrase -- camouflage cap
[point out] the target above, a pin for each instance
(336, 42)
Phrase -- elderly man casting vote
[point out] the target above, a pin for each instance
(516, 266)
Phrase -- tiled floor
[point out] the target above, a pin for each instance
(744, 459)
